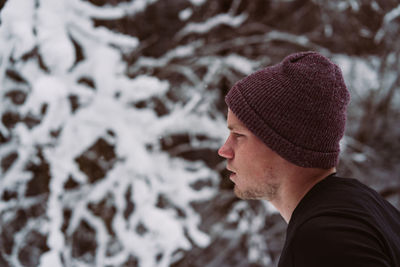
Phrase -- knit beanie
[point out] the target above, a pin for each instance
(297, 108)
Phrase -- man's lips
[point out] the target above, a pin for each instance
(232, 173)
(230, 170)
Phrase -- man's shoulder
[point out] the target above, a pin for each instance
(329, 240)
(340, 195)
(333, 195)
(339, 222)
(331, 226)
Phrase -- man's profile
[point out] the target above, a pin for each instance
(286, 122)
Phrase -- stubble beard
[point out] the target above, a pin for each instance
(267, 192)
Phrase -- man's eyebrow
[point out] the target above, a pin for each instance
(235, 126)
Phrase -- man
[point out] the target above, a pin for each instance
(285, 124)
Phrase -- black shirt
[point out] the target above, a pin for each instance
(341, 222)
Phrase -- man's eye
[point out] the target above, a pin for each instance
(237, 135)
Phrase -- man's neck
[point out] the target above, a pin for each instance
(295, 186)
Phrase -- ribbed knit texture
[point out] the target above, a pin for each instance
(297, 108)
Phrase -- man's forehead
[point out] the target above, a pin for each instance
(234, 122)
(235, 126)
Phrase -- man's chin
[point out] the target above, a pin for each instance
(245, 194)
(254, 194)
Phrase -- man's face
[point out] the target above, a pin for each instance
(255, 168)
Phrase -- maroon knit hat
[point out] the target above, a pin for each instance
(297, 108)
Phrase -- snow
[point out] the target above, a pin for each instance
(359, 157)
(386, 25)
(359, 74)
(221, 19)
(197, 2)
(343, 5)
(58, 52)
(104, 12)
(176, 53)
(355, 6)
(137, 6)
(393, 14)
(185, 14)
(104, 108)
(143, 87)
(240, 63)
(375, 6)
(16, 27)
(108, 12)
(50, 259)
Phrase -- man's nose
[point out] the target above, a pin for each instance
(226, 151)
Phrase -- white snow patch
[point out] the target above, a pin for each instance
(16, 27)
(50, 259)
(197, 2)
(221, 19)
(241, 64)
(375, 6)
(359, 157)
(394, 13)
(56, 48)
(143, 87)
(359, 74)
(185, 14)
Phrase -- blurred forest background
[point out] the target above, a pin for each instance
(112, 112)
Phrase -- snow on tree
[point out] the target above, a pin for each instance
(82, 149)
